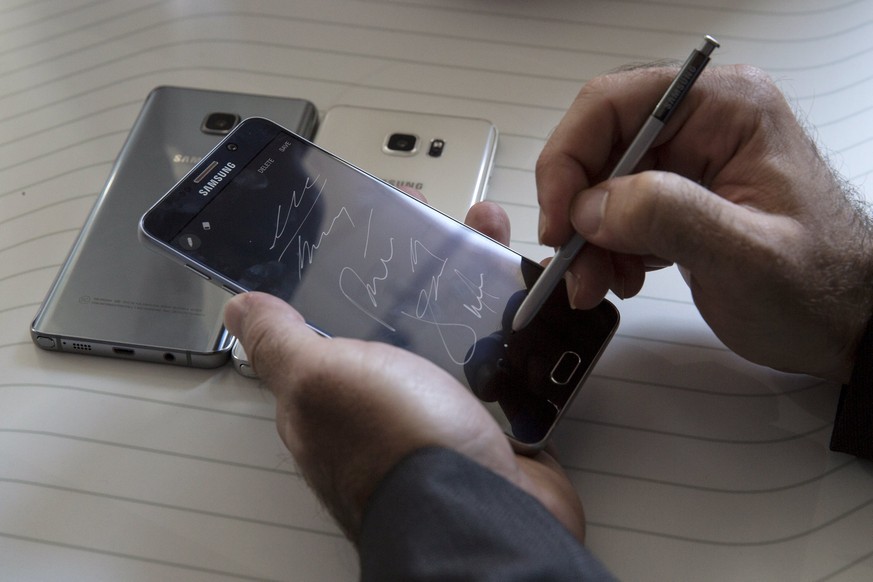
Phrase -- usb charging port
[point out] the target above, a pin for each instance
(123, 351)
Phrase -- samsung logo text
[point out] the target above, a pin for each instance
(185, 159)
(216, 179)
(405, 184)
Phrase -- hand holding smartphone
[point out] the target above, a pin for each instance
(446, 158)
(358, 258)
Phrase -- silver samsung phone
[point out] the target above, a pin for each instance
(446, 158)
(112, 296)
(268, 210)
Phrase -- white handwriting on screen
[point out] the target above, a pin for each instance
(427, 300)
(347, 288)
(375, 295)
(478, 290)
(305, 247)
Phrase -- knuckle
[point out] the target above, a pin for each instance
(749, 74)
(558, 176)
(750, 86)
(547, 163)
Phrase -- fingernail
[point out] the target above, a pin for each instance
(542, 225)
(588, 212)
(234, 313)
(572, 287)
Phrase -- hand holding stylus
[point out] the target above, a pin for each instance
(676, 92)
(776, 253)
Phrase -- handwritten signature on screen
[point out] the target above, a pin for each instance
(367, 294)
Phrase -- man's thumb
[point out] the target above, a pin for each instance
(660, 214)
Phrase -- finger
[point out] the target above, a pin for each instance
(652, 263)
(665, 215)
(605, 115)
(589, 277)
(629, 274)
(695, 143)
(596, 271)
(273, 334)
(491, 220)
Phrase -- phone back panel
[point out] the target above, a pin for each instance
(451, 182)
(115, 297)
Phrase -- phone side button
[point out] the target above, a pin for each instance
(565, 368)
(207, 277)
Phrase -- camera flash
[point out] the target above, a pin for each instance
(436, 148)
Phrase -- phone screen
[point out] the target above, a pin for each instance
(269, 211)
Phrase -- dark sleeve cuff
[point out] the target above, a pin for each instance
(440, 516)
(853, 425)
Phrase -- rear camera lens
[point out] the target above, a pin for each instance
(401, 142)
(219, 123)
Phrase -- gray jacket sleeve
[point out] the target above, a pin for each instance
(440, 516)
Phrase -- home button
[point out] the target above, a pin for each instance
(567, 365)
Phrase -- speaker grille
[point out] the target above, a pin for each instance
(81, 347)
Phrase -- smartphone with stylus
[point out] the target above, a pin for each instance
(359, 258)
(446, 158)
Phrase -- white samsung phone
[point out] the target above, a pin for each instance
(112, 296)
(446, 158)
(241, 361)
(268, 210)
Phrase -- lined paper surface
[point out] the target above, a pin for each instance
(692, 463)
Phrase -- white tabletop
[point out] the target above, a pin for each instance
(692, 464)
